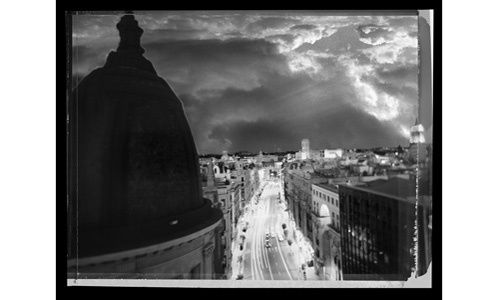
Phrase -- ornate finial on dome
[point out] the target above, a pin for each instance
(130, 34)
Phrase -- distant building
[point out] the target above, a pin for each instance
(305, 153)
(362, 168)
(331, 154)
(208, 185)
(298, 155)
(315, 154)
(269, 160)
(222, 170)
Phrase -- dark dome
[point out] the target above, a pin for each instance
(134, 166)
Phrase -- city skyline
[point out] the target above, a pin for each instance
(254, 81)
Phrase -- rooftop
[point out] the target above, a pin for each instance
(395, 187)
(330, 187)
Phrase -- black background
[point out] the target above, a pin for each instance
(65, 292)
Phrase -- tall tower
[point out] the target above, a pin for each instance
(417, 133)
(417, 149)
(305, 149)
(225, 156)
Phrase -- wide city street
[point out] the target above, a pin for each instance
(271, 250)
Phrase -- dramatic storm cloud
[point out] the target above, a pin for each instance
(263, 81)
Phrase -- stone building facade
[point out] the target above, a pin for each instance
(298, 194)
(326, 231)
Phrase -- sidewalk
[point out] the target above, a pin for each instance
(236, 267)
(303, 255)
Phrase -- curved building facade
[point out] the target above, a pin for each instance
(136, 207)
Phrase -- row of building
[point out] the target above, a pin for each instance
(230, 183)
(364, 225)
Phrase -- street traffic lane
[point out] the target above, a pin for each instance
(276, 262)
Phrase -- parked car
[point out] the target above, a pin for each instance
(290, 242)
(239, 277)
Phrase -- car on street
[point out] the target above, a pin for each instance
(239, 277)
(268, 245)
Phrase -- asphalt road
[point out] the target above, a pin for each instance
(280, 261)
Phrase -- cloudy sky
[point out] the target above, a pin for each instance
(265, 80)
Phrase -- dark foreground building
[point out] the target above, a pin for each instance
(377, 224)
(135, 206)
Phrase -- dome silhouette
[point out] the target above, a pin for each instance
(134, 171)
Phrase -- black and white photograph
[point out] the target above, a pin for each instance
(250, 146)
(296, 150)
